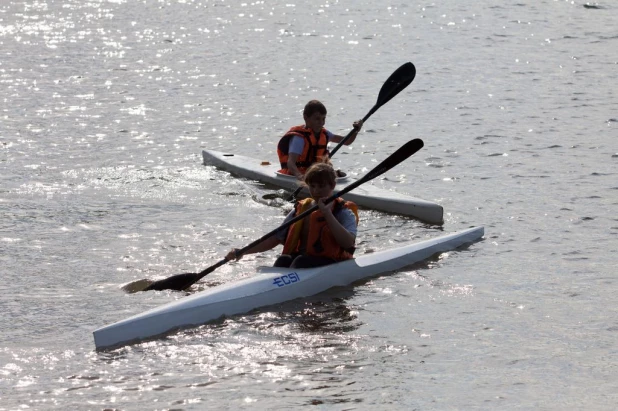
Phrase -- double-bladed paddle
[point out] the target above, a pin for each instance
(181, 282)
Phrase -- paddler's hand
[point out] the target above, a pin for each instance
(357, 125)
(326, 209)
(232, 255)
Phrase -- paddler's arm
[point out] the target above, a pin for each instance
(267, 244)
(344, 238)
(357, 127)
(292, 158)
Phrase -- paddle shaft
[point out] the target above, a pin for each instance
(332, 152)
(183, 281)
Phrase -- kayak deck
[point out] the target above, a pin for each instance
(271, 286)
(367, 195)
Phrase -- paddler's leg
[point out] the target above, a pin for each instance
(309, 261)
(284, 261)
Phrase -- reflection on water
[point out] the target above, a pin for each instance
(327, 313)
(107, 106)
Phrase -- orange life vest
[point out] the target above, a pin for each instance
(314, 151)
(320, 241)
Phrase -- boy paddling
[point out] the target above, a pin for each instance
(324, 237)
(304, 145)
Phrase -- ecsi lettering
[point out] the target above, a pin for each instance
(286, 279)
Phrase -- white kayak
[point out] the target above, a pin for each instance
(271, 286)
(368, 196)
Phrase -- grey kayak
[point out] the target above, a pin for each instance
(367, 196)
(271, 286)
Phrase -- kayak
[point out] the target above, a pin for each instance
(368, 196)
(271, 286)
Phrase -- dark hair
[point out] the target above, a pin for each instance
(321, 173)
(314, 106)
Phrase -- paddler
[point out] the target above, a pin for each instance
(304, 145)
(325, 236)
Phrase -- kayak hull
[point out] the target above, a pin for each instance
(271, 286)
(367, 195)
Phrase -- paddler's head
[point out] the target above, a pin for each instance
(315, 116)
(321, 179)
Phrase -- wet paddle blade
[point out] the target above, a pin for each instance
(176, 282)
(180, 282)
(136, 286)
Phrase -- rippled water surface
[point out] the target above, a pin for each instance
(106, 106)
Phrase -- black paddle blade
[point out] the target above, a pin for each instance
(400, 79)
(136, 286)
(391, 161)
(177, 282)
(397, 81)
(181, 282)
(397, 157)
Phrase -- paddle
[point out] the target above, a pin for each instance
(397, 81)
(181, 282)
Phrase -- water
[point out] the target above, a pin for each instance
(106, 106)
